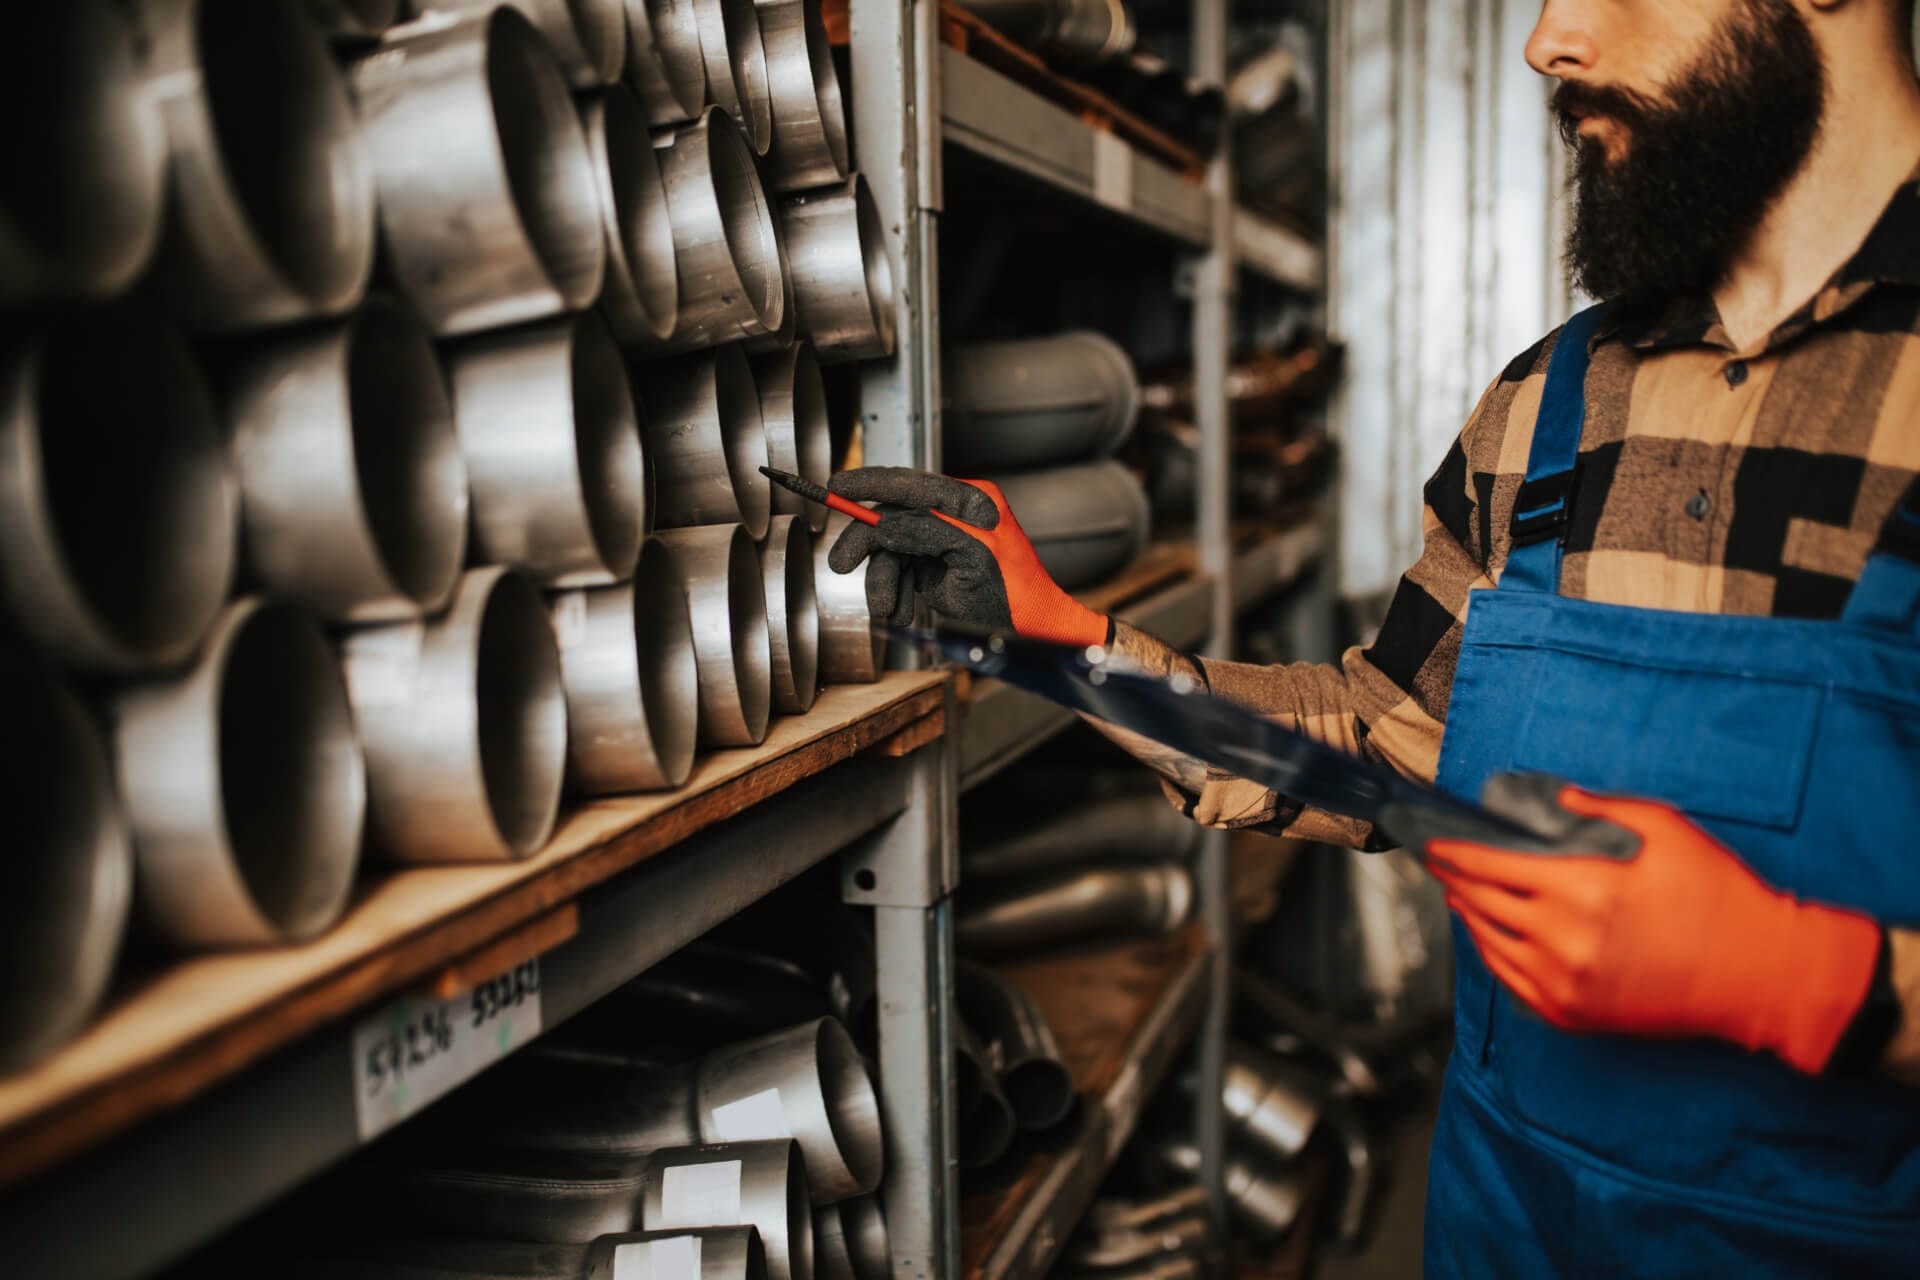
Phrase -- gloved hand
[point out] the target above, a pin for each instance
(955, 544)
(1635, 920)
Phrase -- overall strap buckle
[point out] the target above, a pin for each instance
(1544, 504)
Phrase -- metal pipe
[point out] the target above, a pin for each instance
(631, 684)
(486, 189)
(793, 615)
(708, 1253)
(793, 407)
(354, 19)
(807, 1082)
(707, 441)
(809, 119)
(843, 276)
(83, 194)
(863, 1224)
(244, 787)
(1268, 1103)
(758, 1184)
(555, 1199)
(271, 197)
(851, 650)
(641, 296)
(1077, 32)
(717, 1253)
(588, 37)
(726, 243)
(354, 493)
(1032, 1072)
(1108, 1215)
(987, 1130)
(464, 725)
(1099, 901)
(664, 66)
(1265, 1203)
(136, 592)
(552, 442)
(70, 868)
(732, 648)
(725, 992)
(1039, 401)
(1123, 1250)
(1087, 521)
(736, 62)
(1133, 828)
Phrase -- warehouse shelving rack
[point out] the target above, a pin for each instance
(155, 1132)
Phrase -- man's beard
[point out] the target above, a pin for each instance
(1701, 166)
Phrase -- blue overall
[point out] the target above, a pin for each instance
(1797, 743)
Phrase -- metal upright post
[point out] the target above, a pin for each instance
(1212, 336)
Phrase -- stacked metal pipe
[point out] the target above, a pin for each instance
(339, 555)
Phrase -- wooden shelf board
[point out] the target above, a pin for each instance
(171, 1033)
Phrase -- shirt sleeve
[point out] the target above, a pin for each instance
(1386, 701)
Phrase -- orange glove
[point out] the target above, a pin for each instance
(1677, 937)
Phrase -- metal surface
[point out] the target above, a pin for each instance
(82, 186)
(727, 247)
(793, 408)
(1142, 827)
(1100, 902)
(353, 490)
(664, 65)
(70, 875)
(464, 725)
(243, 785)
(119, 512)
(863, 1223)
(727, 603)
(1033, 1074)
(1087, 521)
(793, 615)
(588, 37)
(1268, 1103)
(715, 1253)
(825, 1102)
(552, 443)
(987, 1129)
(1264, 1202)
(706, 441)
(270, 213)
(851, 651)
(632, 689)
(556, 1200)
(809, 119)
(843, 277)
(1079, 32)
(1039, 401)
(641, 296)
(770, 1194)
(736, 62)
(487, 198)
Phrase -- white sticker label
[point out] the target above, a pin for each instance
(419, 1048)
(1123, 1109)
(753, 1118)
(671, 1258)
(570, 618)
(381, 664)
(1112, 171)
(701, 1195)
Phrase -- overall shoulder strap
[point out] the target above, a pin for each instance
(1888, 592)
(1541, 509)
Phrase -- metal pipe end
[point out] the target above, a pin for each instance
(664, 65)
(793, 408)
(763, 1183)
(744, 435)
(987, 1131)
(727, 240)
(244, 784)
(641, 296)
(1041, 1092)
(793, 615)
(864, 1224)
(139, 591)
(809, 116)
(843, 274)
(736, 62)
(853, 1111)
(852, 650)
(354, 490)
(522, 718)
(272, 214)
(70, 881)
(726, 601)
(632, 686)
(81, 206)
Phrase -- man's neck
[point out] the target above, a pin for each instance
(1869, 146)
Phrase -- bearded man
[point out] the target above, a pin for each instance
(1669, 608)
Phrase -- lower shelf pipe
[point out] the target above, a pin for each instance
(552, 442)
(641, 296)
(714, 991)
(1087, 521)
(631, 683)
(664, 66)
(852, 651)
(1038, 402)
(1032, 1073)
(757, 1184)
(556, 1199)
(719, 571)
(70, 866)
(243, 785)
(712, 1253)
(707, 441)
(1103, 901)
(464, 723)
(1135, 827)
(589, 37)
(354, 492)
(793, 409)
(850, 1240)
(843, 275)
(793, 616)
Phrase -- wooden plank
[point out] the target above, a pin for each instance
(1157, 566)
(171, 1033)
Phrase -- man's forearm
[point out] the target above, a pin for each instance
(1137, 650)
(1902, 1060)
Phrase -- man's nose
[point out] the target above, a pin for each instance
(1562, 41)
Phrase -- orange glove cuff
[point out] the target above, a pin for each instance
(1040, 609)
(1828, 966)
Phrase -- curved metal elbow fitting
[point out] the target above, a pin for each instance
(1102, 901)
(793, 615)
(757, 1184)
(1032, 1073)
(733, 650)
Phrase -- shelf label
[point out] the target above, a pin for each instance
(1112, 171)
(417, 1049)
(701, 1195)
(754, 1118)
(668, 1258)
(1123, 1109)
